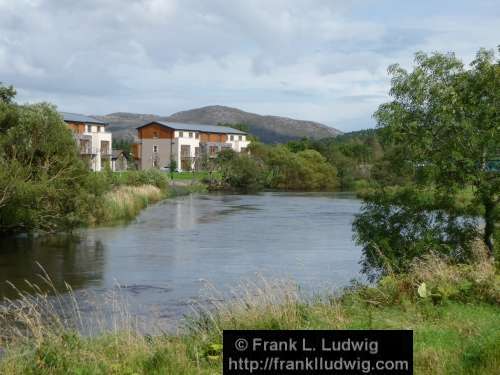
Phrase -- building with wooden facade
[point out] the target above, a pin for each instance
(94, 142)
(159, 143)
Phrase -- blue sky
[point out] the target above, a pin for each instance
(323, 60)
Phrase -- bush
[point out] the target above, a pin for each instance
(305, 170)
(241, 172)
(397, 226)
(42, 180)
(434, 278)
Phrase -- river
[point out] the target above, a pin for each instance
(166, 257)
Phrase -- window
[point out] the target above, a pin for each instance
(231, 137)
(197, 135)
(155, 134)
(190, 135)
(212, 150)
(105, 149)
(241, 137)
(155, 148)
(185, 151)
(89, 128)
(181, 134)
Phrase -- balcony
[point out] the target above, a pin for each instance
(84, 150)
(105, 152)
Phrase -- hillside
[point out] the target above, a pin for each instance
(269, 129)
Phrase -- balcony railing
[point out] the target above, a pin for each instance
(86, 151)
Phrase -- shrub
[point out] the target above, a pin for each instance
(42, 179)
(305, 170)
(396, 226)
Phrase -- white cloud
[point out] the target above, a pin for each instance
(320, 60)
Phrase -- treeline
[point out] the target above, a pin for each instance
(44, 185)
(273, 167)
(348, 162)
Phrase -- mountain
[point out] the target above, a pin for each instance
(269, 129)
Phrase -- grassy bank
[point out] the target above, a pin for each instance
(454, 315)
(125, 202)
(121, 196)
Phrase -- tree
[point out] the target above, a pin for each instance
(41, 174)
(239, 171)
(397, 225)
(7, 94)
(8, 111)
(446, 118)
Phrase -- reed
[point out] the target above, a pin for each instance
(46, 332)
(125, 202)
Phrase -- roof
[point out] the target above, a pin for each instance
(75, 117)
(116, 153)
(196, 127)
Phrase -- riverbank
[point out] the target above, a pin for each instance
(124, 203)
(453, 310)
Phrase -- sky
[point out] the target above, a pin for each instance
(319, 60)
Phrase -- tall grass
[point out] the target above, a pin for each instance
(125, 202)
(454, 334)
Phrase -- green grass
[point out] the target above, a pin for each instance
(454, 334)
(189, 175)
(125, 202)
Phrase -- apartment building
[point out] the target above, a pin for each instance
(187, 144)
(93, 141)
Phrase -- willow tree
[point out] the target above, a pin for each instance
(447, 119)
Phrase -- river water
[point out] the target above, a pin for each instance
(164, 259)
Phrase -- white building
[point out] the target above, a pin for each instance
(94, 142)
(160, 143)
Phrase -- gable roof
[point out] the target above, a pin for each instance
(116, 153)
(196, 127)
(75, 117)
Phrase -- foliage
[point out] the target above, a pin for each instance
(44, 185)
(240, 172)
(276, 167)
(7, 94)
(353, 155)
(398, 225)
(304, 170)
(123, 144)
(447, 121)
(42, 175)
(439, 132)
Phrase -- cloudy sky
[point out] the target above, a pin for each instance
(323, 60)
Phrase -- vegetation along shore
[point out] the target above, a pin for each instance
(453, 310)
(428, 228)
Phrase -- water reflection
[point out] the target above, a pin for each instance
(164, 259)
(73, 258)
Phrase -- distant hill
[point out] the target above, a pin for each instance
(269, 129)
